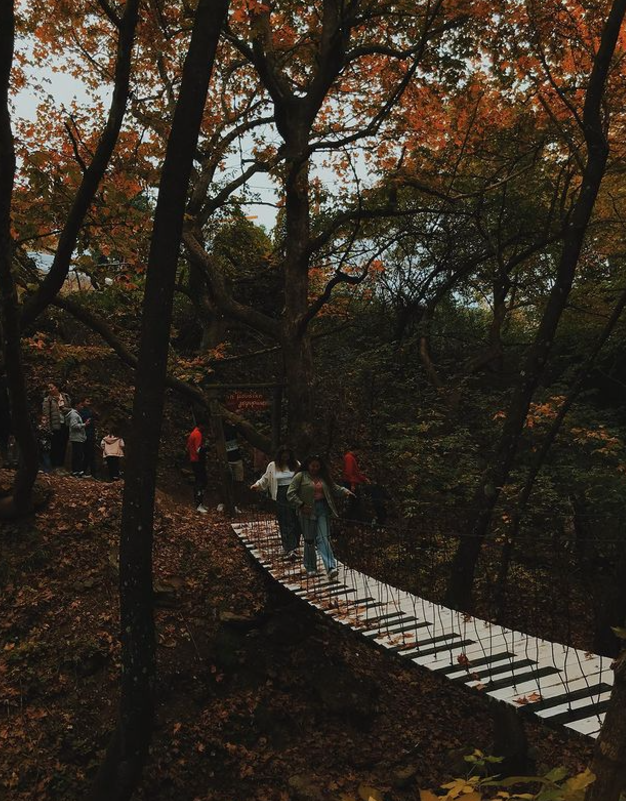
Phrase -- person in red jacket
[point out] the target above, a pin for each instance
(354, 479)
(196, 451)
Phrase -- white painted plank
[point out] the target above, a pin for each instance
(589, 726)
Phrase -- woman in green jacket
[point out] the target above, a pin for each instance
(313, 492)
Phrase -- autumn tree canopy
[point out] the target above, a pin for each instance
(420, 158)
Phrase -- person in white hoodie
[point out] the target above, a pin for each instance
(275, 481)
(112, 450)
(77, 436)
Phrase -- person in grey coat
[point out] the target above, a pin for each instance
(78, 436)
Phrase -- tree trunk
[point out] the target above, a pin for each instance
(542, 455)
(609, 761)
(611, 605)
(210, 316)
(20, 502)
(223, 470)
(297, 353)
(128, 749)
(298, 358)
(459, 590)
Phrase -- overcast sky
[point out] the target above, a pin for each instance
(61, 90)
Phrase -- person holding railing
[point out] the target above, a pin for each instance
(275, 481)
(312, 492)
(354, 479)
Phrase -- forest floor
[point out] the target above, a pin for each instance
(259, 697)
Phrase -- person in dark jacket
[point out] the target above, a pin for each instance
(55, 406)
(89, 418)
(235, 464)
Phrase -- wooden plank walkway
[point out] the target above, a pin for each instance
(562, 685)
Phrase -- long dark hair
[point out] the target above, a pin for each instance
(292, 463)
(324, 469)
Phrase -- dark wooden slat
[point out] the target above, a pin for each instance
(564, 698)
(484, 660)
(573, 715)
(441, 649)
(513, 681)
(510, 667)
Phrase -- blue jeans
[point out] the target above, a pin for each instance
(315, 532)
(288, 524)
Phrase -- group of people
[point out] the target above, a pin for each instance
(197, 452)
(64, 423)
(304, 493)
(305, 497)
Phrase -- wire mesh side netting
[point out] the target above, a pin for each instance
(528, 636)
(555, 587)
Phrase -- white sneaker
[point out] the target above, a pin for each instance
(202, 509)
(237, 510)
(220, 507)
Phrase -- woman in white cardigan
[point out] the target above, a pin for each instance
(275, 481)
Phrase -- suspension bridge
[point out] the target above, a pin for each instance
(559, 683)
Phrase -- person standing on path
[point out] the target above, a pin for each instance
(113, 450)
(276, 480)
(44, 444)
(196, 451)
(89, 418)
(55, 406)
(77, 436)
(313, 493)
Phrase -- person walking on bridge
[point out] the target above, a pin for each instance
(313, 493)
(276, 480)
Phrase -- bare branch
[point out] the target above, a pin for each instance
(110, 12)
(94, 173)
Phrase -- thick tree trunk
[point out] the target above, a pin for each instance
(129, 747)
(609, 761)
(210, 316)
(297, 354)
(459, 590)
(298, 359)
(20, 501)
(611, 606)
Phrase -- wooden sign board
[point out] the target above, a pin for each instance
(242, 401)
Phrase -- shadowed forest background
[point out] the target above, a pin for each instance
(402, 223)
